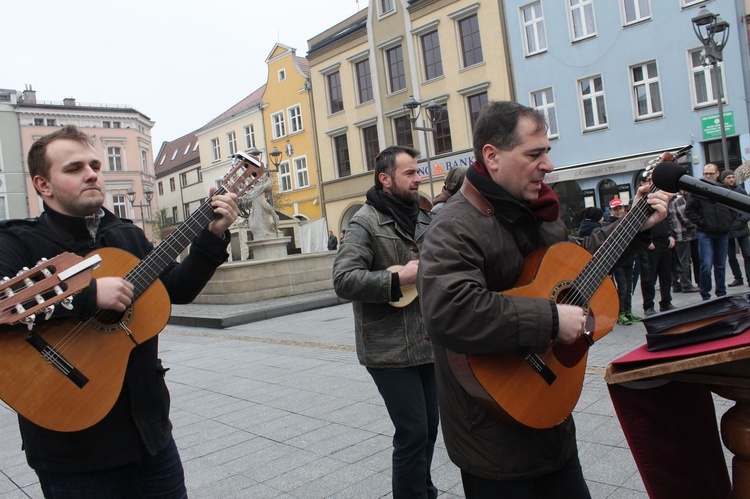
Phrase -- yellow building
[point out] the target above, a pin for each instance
(364, 70)
(290, 134)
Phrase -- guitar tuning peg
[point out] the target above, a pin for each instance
(67, 303)
(20, 272)
(48, 312)
(29, 321)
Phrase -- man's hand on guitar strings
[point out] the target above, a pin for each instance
(572, 323)
(408, 275)
(113, 293)
(225, 212)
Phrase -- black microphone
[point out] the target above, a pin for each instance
(672, 177)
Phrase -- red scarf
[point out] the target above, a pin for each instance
(546, 207)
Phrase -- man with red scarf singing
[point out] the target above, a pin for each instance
(475, 247)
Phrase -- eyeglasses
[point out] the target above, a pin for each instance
(710, 174)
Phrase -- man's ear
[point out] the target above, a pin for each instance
(385, 180)
(42, 185)
(490, 156)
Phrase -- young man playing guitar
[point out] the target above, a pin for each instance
(130, 452)
(473, 251)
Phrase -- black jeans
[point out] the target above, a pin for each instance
(567, 483)
(153, 476)
(410, 395)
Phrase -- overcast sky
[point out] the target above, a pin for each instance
(181, 63)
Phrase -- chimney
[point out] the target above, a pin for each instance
(69, 102)
(29, 95)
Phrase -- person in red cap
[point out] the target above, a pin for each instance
(623, 274)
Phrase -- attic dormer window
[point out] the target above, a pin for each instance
(282, 74)
(175, 154)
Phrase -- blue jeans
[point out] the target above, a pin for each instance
(567, 483)
(410, 395)
(712, 249)
(153, 476)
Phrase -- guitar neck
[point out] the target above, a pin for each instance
(151, 267)
(605, 258)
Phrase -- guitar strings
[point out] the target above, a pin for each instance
(601, 263)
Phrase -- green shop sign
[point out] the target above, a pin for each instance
(712, 127)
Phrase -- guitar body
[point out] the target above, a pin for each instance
(42, 393)
(507, 385)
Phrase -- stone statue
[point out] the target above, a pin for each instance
(263, 220)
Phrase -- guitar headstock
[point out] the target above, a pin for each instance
(244, 172)
(41, 287)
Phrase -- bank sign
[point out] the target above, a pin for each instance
(711, 125)
(440, 167)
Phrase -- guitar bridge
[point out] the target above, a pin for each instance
(540, 367)
(51, 355)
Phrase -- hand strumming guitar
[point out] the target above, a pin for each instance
(113, 293)
(408, 275)
(572, 322)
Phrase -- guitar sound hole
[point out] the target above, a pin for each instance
(566, 295)
(109, 321)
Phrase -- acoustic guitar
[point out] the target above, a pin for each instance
(65, 375)
(541, 391)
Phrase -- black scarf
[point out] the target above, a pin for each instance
(404, 214)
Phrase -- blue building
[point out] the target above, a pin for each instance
(622, 81)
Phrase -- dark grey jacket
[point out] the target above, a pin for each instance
(386, 336)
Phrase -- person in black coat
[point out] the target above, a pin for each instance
(131, 451)
(591, 221)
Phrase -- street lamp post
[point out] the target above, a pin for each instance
(149, 195)
(434, 110)
(707, 26)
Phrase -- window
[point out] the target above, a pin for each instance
(118, 206)
(279, 125)
(282, 74)
(335, 97)
(395, 65)
(215, 149)
(295, 119)
(704, 93)
(386, 6)
(582, 20)
(232, 143)
(544, 102)
(471, 43)
(476, 102)
(51, 122)
(3, 210)
(285, 177)
(183, 180)
(116, 124)
(174, 214)
(163, 159)
(200, 174)
(646, 90)
(534, 36)
(38, 121)
(591, 94)
(688, 3)
(372, 147)
(195, 147)
(160, 188)
(172, 186)
(249, 137)
(186, 210)
(443, 132)
(174, 154)
(433, 62)
(106, 124)
(300, 169)
(114, 155)
(402, 130)
(341, 151)
(144, 161)
(187, 148)
(364, 81)
(634, 11)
